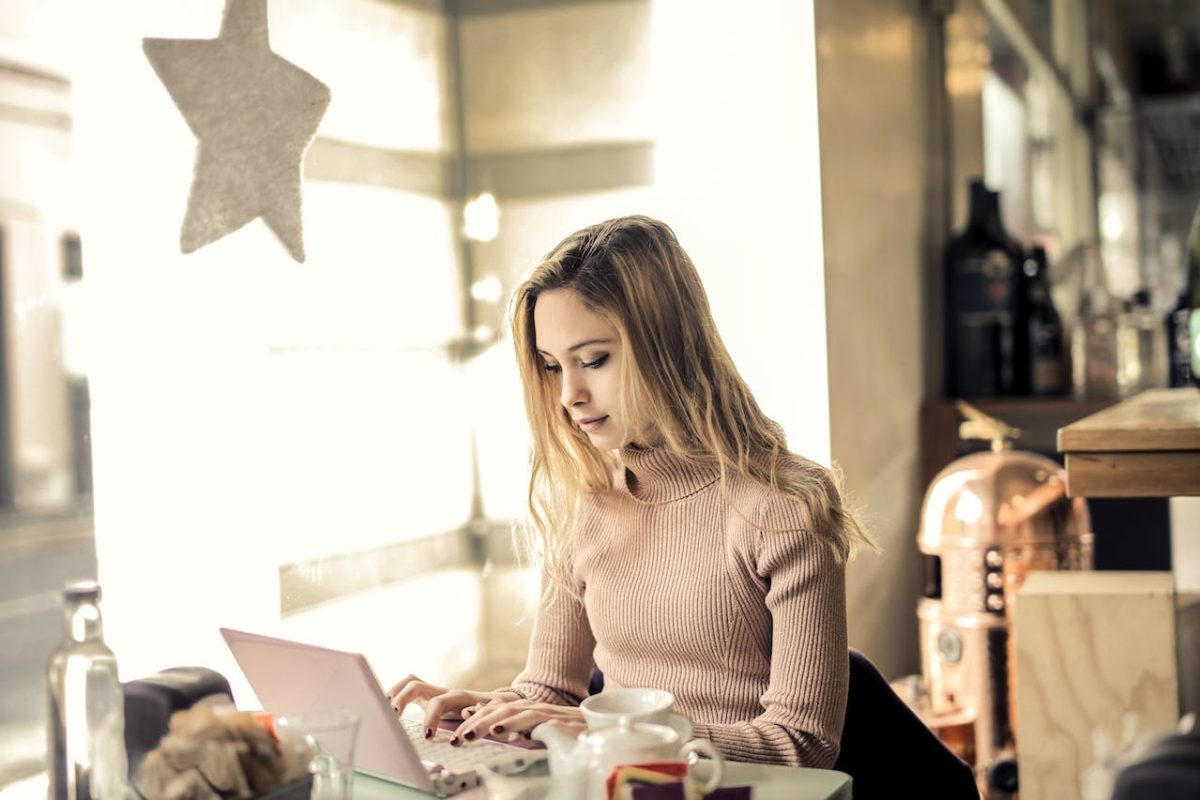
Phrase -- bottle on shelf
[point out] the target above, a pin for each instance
(86, 725)
(1190, 342)
(1047, 356)
(1178, 348)
(1094, 331)
(986, 340)
(1141, 347)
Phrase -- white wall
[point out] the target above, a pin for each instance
(739, 176)
(871, 59)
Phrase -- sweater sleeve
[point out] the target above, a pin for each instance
(804, 704)
(561, 649)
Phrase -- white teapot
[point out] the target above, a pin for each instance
(591, 756)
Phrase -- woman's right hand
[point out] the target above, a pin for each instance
(438, 702)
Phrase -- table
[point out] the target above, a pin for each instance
(1146, 446)
(769, 782)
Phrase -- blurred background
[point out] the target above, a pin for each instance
(335, 451)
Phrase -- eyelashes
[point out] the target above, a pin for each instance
(599, 362)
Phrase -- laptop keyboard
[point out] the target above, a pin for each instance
(440, 752)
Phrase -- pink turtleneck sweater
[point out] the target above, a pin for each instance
(743, 621)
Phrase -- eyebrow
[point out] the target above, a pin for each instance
(575, 347)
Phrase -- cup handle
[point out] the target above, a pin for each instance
(698, 747)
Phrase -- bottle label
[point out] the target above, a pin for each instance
(983, 321)
(985, 284)
(1047, 375)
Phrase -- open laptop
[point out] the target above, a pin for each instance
(293, 678)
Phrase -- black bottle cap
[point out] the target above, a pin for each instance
(1002, 775)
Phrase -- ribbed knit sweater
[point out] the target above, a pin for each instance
(741, 616)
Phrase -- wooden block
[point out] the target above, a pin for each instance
(1124, 474)
(1091, 647)
(1157, 419)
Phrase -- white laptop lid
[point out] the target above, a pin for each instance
(292, 678)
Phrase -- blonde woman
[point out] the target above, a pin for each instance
(683, 546)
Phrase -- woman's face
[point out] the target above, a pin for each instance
(581, 354)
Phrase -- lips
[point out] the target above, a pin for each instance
(592, 423)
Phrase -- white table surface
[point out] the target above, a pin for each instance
(768, 782)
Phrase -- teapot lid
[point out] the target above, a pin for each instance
(1000, 497)
(631, 734)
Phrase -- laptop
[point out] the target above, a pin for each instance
(293, 678)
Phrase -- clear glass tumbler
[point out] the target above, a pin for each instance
(330, 735)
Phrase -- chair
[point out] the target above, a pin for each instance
(888, 751)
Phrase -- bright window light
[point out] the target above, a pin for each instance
(481, 218)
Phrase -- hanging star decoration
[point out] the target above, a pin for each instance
(254, 115)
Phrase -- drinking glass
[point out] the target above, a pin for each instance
(330, 735)
(526, 776)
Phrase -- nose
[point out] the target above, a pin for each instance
(574, 388)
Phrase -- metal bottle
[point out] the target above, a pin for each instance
(86, 726)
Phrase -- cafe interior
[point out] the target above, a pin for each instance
(305, 420)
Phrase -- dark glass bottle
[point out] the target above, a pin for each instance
(1180, 366)
(1047, 368)
(987, 346)
(1189, 307)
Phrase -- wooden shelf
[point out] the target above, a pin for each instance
(1146, 446)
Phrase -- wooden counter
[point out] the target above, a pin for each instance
(1146, 446)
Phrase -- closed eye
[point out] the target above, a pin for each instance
(599, 362)
(552, 367)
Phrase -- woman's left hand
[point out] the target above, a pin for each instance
(511, 719)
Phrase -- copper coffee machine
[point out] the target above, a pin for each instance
(988, 519)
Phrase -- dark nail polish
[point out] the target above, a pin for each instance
(497, 729)
(469, 735)
(428, 733)
(454, 741)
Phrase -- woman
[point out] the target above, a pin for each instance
(684, 547)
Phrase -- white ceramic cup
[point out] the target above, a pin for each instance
(612, 706)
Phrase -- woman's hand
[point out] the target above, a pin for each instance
(438, 702)
(508, 718)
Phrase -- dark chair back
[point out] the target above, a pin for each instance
(888, 751)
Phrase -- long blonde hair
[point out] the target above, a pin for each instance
(676, 375)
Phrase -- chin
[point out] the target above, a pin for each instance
(605, 441)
